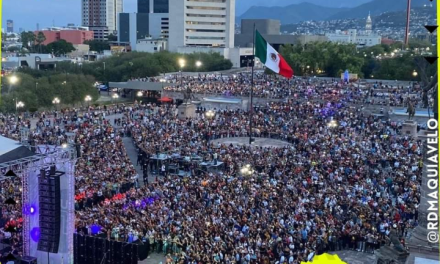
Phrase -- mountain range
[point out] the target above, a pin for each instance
(243, 5)
(295, 13)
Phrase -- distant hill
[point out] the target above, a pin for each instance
(242, 6)
(292, 14)
(295, 13)
(377, 7)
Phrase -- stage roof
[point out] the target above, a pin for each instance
(12, 150)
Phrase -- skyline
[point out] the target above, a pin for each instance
(52, 12)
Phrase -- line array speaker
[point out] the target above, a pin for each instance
(50, 210)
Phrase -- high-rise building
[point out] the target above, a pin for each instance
(207, 23)
(137, 26)
(153, 6)
(9, 26)
(101, 16)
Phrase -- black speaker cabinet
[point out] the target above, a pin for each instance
(50, 209)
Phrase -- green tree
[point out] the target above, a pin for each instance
(123, 66)
(112, 37)
(326, 58)
(70, 89)
(40, 38)
(60, 47)
(28, 39)
(97, 45)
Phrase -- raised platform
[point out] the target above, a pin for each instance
(260, 142)
(186, 110)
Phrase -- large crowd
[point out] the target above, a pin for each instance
(266, 86)
(331, 188)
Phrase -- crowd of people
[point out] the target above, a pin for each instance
(278, 88)
(332, 187)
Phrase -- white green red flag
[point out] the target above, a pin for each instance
(270, 57)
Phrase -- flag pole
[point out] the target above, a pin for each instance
(251, 108)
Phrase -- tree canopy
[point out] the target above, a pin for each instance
(124, 66)
(331, 59)
(39, 92)
(60, 47)
(97, 45)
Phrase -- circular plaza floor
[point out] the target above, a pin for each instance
(260, 142)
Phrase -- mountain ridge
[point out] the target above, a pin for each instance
(243, 6)
(304, 11)
(292, 13)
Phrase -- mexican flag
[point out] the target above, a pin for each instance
(270, 57)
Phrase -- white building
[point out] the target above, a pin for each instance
(150, 45)
(101, 16)
(207, 23)
(369, 25)
(351, 36)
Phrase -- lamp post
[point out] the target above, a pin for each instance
(114, 97)
(18, 104)
(209, 114)
(88, 99)
(182, 63)
(414, 75)
(162, 81)
(56, 102)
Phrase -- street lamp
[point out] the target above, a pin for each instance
(139, 94)
(198, 64)
(209, 114)
(182, 63)
(18, 104)
(414, 74)
(247, 170)
(88, 99)
(56, 102)
(114, 97)
(162, 81)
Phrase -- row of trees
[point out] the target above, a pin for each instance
(124, 66)
(36, 93)
(331, 59)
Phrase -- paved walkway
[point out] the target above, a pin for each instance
(132, 154)
(355, 257)
(259, 142)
